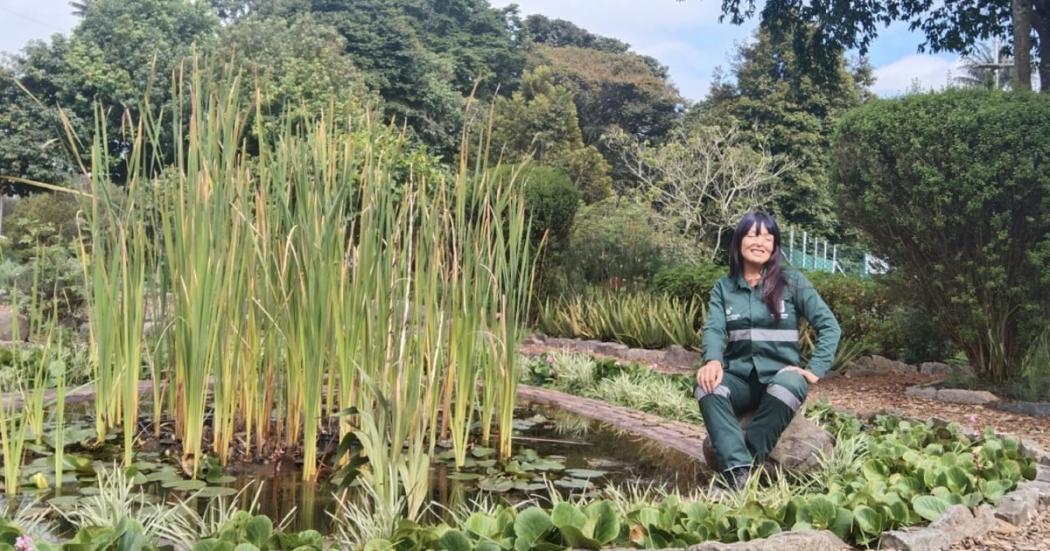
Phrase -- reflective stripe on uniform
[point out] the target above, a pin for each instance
(784, 395)
(720, 390)
(771, 335)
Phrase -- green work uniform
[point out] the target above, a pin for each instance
(754, 348)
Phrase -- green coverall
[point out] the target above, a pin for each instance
(754, 349)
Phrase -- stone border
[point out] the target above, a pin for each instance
(673, 359)
(929, 391)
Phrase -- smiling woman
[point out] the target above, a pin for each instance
(751, 348)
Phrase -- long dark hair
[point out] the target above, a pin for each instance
(773, 282)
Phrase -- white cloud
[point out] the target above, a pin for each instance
(25, 20)
(927, 72)
(619, 18)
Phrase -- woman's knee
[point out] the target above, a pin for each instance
(789, 387)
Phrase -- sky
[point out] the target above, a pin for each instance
(684, 35)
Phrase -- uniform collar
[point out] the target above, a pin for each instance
(742, 283)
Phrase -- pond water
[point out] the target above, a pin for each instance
(553, 451)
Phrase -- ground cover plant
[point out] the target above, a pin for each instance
(636, 318)
(628, 385)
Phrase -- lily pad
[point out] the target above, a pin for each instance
(464, 476)
(216, 491)
(185, 485)
(585, 473)
(573, 483)
(498, 485)
(63, 502)
(481, 452)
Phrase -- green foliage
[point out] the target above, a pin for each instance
(247, 532)
(551, 202)
(614, 242)
(783, 107)
(540, 121)
(903, 474)
(1035, 370)
(628, 385)
(689, 282)
(613, 89)
(954, 189)
(558, 33)
(637, 319)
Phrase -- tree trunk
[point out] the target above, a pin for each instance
(1041, 24)
(1022, 21)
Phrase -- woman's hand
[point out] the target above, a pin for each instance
(807, 375)
(710, 375)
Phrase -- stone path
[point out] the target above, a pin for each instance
(682, 437)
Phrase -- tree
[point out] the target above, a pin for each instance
(33, 140)
(781, 106)
(558, 33)
(955, 194)
(613, 90)
(702, 181)
(539, 120)
(298, 64)
(949, 25)
(421, 56)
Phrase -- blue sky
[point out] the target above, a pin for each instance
(684, 35)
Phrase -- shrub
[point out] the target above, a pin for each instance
(689, 282)
(551, 201)
(636, 319)
(613, 241)
(954, 189)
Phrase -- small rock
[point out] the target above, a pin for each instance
(962, 396)
(1018, 507)
(915, 539)
(1042, 473)
(935, 368)
(1034, 451)
(532, 340)
(641, 356)
(1039, 488)
(878, 365)
(798, 449)
(614, 349)
(921, 391)
(958, 523)
(560, 343)
(678, 356)
(808, 540)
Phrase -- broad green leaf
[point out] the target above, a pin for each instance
(607, 525)
(482, 525)
(454, 540)
(822, 512)
(258, 530)
(868, 520)
(929, 507)
(565, 514)
(575, 538)
(532, 524)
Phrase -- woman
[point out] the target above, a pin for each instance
(751, 350)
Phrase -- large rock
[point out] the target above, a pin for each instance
(613, 349)
(8, 321)
(801, 540)
(878, 365)
(963, 396)
(798, 450)
(641, 356)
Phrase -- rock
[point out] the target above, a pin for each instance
(560, 343)
(1034, 451)
(921, 391)
(1035, 409)
(935, 368)
(641, 356)
(1039, 488)
(915, 539)
(798, 450)
(678, 356)
(808, 540)
(8, 321)
(1018, 507)
(878, 365)
(962, 396)
(958, 523)
(532, 340)
(585, 347)
(614, 349)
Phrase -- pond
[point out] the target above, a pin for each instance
(553, 451)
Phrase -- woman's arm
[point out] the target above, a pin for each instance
(813, 308)
(715, 327)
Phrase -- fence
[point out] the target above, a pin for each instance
(814, 253)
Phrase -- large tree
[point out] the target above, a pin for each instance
(782, 106)
(422, 56)
(613, 90)
(948, 25)
(539, 121)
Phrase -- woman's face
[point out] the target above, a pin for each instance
(757, 245)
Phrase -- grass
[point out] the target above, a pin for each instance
(637, 319)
